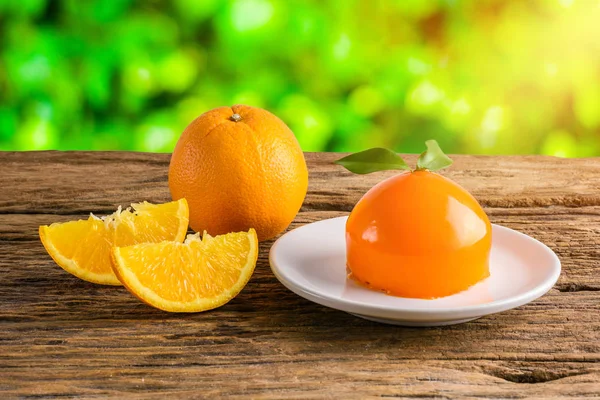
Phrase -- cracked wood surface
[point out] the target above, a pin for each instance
(62, 337)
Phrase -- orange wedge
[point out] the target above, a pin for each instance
(197, 275)
(83, 248)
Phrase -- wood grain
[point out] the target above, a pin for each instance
(62, 337)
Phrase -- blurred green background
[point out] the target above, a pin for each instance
(480, 76)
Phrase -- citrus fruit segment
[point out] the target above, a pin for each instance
(83, 248)
(198, 275)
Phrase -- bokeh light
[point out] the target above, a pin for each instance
(480, 76)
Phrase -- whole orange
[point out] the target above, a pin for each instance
(238, 168)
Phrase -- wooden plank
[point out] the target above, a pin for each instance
(49, 182)
(60, 336)
(321, 379)
(573, 233)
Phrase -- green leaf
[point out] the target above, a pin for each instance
(433, 159)
(372, 160)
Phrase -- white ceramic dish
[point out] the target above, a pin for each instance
(311, 262)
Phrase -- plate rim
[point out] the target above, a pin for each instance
(414, 314)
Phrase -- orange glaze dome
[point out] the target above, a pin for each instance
(420, 235)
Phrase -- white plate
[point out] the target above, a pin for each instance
(311, 262)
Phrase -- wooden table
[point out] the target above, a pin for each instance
(60, 336)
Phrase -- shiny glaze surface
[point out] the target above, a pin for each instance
(418, 234)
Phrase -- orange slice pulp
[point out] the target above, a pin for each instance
(83, 248)
(198, 275)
